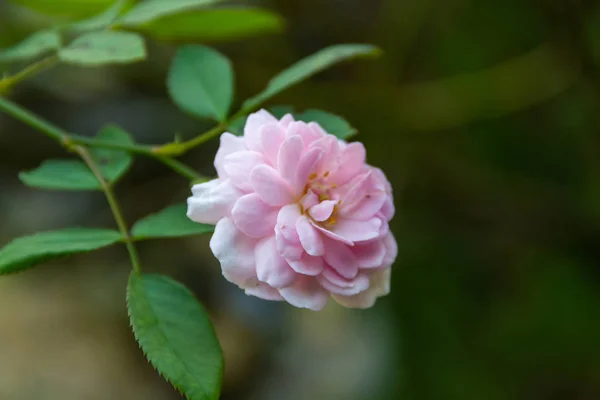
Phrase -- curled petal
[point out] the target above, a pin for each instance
(270, 187)
(391, 248)
(322, 211)
(235, 252)
(307, 265)
(366, 208)
(305, 293)
(341, 258)
(310, 238)
(379, 286)
(212, 201)
(288, 249)
(253, 216)
(356, 231)
(265, 292)
(286, 222)
(271, 268)
(336, 284)
(370, 254)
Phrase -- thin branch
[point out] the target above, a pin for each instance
(114, 206)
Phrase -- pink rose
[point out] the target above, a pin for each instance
(299, 215)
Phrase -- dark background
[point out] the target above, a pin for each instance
(484, 115)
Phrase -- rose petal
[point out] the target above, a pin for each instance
(270, 187)
(287, 249)
(305, 293)
(370, 254)
(253, 216)
(271, 137)
(265, 292)
(379, 286)
(229, 144)
(341, 258)
(309, 237)
(332, 235)
(351, 163)
(391, 249)
(286, 120)
(366, 208)
(310, 199)
(286, 222)
(252, 128)
(306, 167)
(288, 158)
(357, 231)
(271, 268)
(235, 252)
(212, 201)
(239, 165)
(334, 283)
(307, 265)
(322, 211)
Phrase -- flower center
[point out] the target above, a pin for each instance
(319, 201)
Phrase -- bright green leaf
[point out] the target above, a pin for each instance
(99, 21)
(176, 335)
(65, 8)
(113, 163)
(170, 222)
(34, 46)
(214, 24)
(149, 10)
(61, 175)
(28, 251)
(104, 47)
(309, 66)
(332, 123)
(201, 82)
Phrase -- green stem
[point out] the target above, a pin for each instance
(28, 72)
(114, 206)
(67, 139)
(180, 148)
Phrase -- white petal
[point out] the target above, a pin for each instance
(212, 201)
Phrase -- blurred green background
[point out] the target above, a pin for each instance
(485, 116)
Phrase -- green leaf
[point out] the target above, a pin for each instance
(65, 8)
(61, 175)
(214, 24)
(33, 46)
(99, 21)
(332, 123)
(28, 251)
(176, 335)
(113, 163)
(75, 175)
(170, 222)
(201, 82)
(149, 10)
(104, 47)
(309, 66)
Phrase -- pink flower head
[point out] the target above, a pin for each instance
(299, 215)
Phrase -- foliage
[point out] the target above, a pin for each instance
(172, 328)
